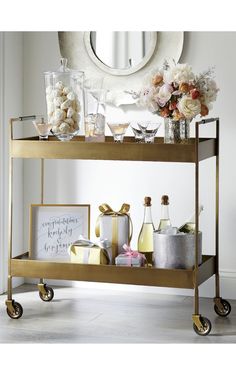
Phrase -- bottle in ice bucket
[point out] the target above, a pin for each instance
(165, 218)
(145, 239)
(189, 225)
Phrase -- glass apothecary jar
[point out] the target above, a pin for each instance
(65, 101)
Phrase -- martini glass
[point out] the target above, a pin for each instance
(118, 130)
(42, 127)
(149, 130)
(138, 134)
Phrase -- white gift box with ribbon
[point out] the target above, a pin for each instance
(116, 227)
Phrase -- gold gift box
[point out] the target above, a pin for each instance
(114, 226)
(88, 255)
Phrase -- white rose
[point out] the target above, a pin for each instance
(178, 74)
(189, 107)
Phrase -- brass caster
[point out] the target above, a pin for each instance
(14, 309)
(201, 325)
(46, 293)
(222, 307)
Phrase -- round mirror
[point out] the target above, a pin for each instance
(120, 52)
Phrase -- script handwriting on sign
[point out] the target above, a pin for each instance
(56, 233)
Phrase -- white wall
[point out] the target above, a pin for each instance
(11, 88)
(116, 182)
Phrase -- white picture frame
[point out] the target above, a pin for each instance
(53, 227)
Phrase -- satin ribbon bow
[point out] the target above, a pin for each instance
(107, 210)
(133, 254)
(85, 242)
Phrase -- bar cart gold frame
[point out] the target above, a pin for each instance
(196, 150)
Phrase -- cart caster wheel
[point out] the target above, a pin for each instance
(17, 311)
(48, 296)
(224, 310)
(206, 327)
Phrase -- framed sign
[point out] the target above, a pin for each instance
(53, 227)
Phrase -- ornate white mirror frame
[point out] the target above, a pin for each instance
(120, 72)
(75, 46)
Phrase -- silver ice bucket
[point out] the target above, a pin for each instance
(176, 250)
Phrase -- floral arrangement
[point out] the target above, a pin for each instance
(175, 92)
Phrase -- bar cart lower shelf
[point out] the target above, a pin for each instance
(23, 266)
(196, 150)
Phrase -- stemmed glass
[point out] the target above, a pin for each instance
(43, 128)
(149, 130)
(118, 130)
(138, 134)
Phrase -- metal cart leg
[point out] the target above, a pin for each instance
(221, 306)
(201, 325)
(46, 293)
(14, 309)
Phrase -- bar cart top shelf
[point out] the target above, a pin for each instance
(77, 148)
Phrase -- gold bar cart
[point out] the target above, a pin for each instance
(194, 152)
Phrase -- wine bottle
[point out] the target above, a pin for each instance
(145, 239)
(165, 218)
(189, 225)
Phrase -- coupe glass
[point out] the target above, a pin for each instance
(118, 130)
(149, 130)
(138, 134)
(43, 128)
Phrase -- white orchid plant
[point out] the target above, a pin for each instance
(174, 91)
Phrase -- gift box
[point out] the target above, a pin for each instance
(116, 227)
(86, 252)
(130, 258)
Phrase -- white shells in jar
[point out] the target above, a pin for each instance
(71, 96)
(64, 127)
(62, 107)
(66, 104)
(59, 114)
(70, 112)
(59, 85)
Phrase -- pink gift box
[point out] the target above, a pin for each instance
(130, 258)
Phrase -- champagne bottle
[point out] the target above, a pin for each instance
(189, 225)
(145, 239)
(165, 218)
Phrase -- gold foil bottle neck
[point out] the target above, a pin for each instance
(165, 200)
(147, 201)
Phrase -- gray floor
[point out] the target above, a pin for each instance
(81, 315)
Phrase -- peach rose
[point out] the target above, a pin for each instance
(204, 110)
(157, 79)
(184, 87)
(164, 112)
